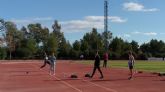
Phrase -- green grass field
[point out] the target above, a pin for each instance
(151, 66)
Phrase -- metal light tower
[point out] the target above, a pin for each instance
(106, 23)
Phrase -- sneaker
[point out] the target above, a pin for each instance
(50, 73)
(90, 76)
(130, 78)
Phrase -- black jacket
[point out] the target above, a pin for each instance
(97, 61)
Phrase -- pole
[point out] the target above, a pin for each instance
(106, 24)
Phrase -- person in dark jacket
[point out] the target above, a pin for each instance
(97, 65)
(46, 61)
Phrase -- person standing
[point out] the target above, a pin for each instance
(97, 66)
(81, 56)
(131, 62)
(105, 59)
(52, 65)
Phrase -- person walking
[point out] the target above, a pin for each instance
(97, 66)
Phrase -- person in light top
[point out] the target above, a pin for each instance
(131, 62)
(52, 64)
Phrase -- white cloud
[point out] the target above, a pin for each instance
(150, 34)
(80, 25)
(131, 6)
(136, 32)
(31, 20)
(94, 18)
(127, 35)
(151, 10)
(43, 19)
(145, 33)
(114, 19)
(117, 19)
(19, 21)
(85, 24)
(88, 22)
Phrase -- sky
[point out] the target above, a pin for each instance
(139, 20)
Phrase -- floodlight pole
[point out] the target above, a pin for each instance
(106, 23)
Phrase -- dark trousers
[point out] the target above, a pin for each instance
(94, 70)
(45, 62)
(105, 63)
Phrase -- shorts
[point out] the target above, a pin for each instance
(53, 65)
(105, 60)
(130, 67)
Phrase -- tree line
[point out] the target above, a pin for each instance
(32, 41)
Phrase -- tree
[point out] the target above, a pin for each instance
(92, 42)
(37, 32)
(157, 48)
(2, 25)
(10, 36)
(57, 31)
(43, 41)
(134, 46)
(2, 32)
(119, 48)
(76, 48)
(56, 27)
(116, 45)
(26, 34)
(76, 45)
(64, 49)
(106, 36)
(18, 37)
(40, 34)
(27, 49)
(52, 44)
(3, 53)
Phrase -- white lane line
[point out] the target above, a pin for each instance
(17, 62)
(108, 89)
(69, 85)
(66, 83)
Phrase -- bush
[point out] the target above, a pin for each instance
(23, 53)
(115, 56)
(124, 56)
(3, 53)
(143, 56)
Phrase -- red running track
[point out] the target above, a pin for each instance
(14, 78)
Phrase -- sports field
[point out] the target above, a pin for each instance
(141, 65)
(26, 76)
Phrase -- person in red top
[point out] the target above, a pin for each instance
(105, 59)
